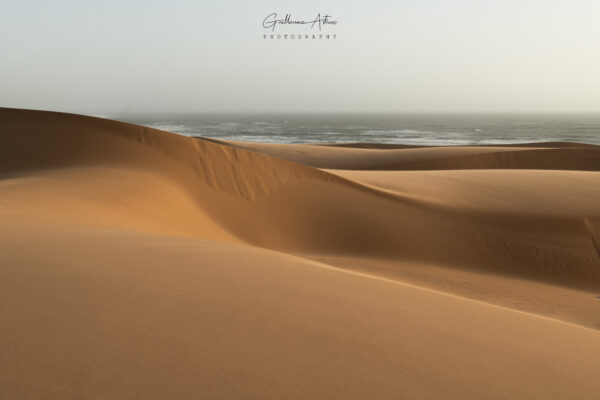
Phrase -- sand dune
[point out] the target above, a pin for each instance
(137, 263)
(554, 156)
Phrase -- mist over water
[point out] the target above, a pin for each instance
(408, 129)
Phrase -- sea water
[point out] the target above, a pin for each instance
(403, 129)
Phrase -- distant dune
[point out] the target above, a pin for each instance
(140, 264)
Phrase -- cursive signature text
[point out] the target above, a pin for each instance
(272, 21)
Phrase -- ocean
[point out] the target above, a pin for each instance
(407, 129)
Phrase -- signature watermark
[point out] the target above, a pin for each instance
(318, 27)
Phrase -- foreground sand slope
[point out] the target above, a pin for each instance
(129, 268)
(131, 315)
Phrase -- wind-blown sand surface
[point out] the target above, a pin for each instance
(139, 264)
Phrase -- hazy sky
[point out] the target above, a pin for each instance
(453, 55)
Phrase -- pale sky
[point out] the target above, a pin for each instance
(389, 56)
